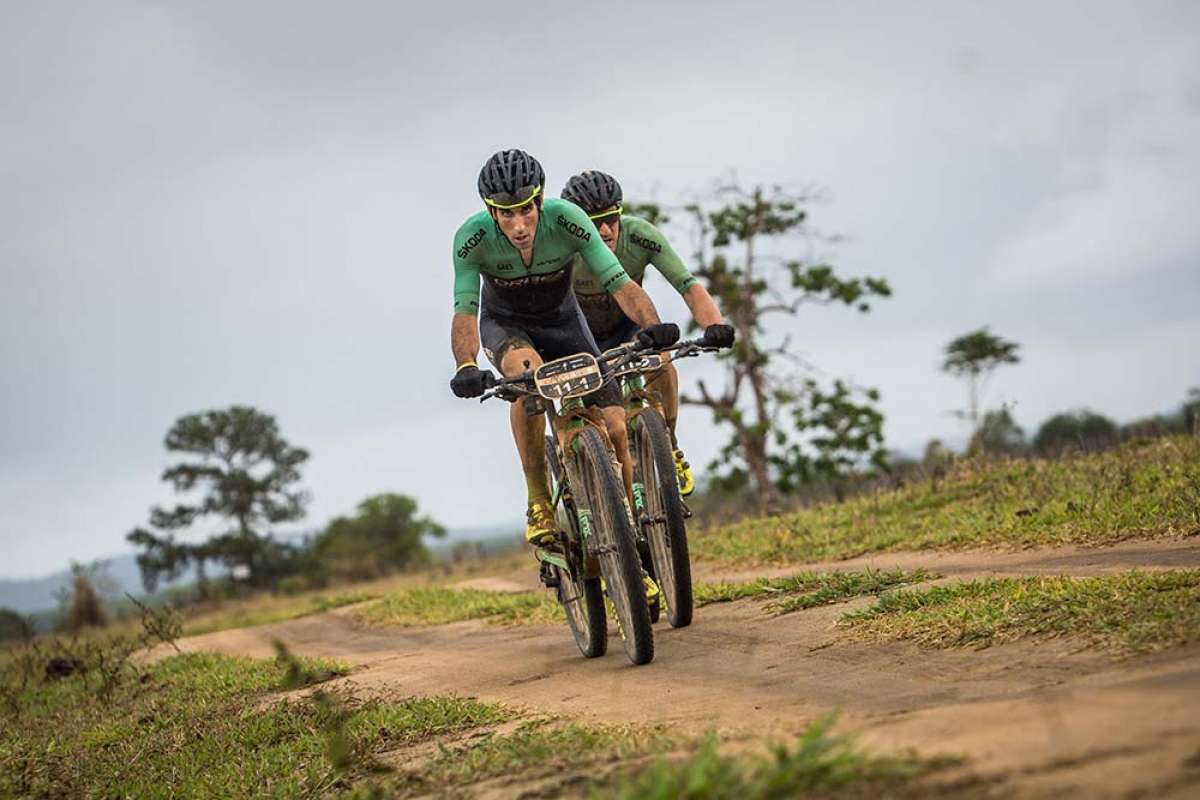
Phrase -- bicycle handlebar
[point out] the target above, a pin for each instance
(523, 383)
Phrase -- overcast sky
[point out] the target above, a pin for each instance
(215, 203)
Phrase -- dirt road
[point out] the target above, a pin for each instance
(1034, 718)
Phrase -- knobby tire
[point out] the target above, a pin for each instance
(582, 600)
(667, 540)
(617, 547)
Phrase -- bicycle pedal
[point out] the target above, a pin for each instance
(687, 512)
(548, 577)
(555, 547)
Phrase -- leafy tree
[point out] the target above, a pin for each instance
(1157, 425)
(651, 212)
(237, 467)
(1185, 420)
(975, 356)
(161, 557)
(936, 461)
(842, 432)
(81, 603)
(998, 434)
(13, 625)
(1191, 411)
(763, 391)
(1082, 429)
(384, 535)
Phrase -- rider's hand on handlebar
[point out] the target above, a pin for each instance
(471, 381)
(719, 335)
(664, 334)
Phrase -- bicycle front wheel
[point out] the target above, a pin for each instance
(612, 540)
(666, 531)
(582, 598)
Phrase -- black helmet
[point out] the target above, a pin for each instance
(510, 178)
(594, 191)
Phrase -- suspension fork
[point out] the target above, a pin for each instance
(631, 387)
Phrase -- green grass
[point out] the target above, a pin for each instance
(1131, 612)
(263, 611)
(818, 762)
(203, 725)
(582, 759)
(536, 748)
(1143, 489)
(442, 605)
(808, 589)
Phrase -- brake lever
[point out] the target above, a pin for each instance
(502, 392)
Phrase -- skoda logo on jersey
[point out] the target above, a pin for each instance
(470, 244)
(645, 243)
(573, 229)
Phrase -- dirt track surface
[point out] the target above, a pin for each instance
(1033, 718)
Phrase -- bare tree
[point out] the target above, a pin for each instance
(769, 395)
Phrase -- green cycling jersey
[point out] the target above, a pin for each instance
(639, 244)
(564, 238)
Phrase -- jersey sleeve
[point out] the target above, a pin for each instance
(666, 260)
(466, 269)
(599, 259)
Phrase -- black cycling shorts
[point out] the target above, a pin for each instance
(558, 333)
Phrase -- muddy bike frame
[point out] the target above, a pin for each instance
(570, 417)
(637, 397)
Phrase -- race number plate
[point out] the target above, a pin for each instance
(643, 362)
(573, 376)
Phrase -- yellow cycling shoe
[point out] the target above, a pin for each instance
(652, 590)
(683, 473)
(540, 526)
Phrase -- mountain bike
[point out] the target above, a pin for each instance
(595, 554)
(658, 507)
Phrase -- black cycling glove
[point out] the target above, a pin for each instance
(471, 381)
(719, 335)
(664, 334)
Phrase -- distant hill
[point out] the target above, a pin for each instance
(27, 595)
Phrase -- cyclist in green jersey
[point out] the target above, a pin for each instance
(522, 249)
(638, 244)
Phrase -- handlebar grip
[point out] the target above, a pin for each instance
(490, 380)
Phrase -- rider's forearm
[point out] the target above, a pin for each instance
(636, 304)
(703, 307)
(464, 338)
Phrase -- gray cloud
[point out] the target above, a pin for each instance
(210, 203)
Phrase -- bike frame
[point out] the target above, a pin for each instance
(583, 566)
(633, 389)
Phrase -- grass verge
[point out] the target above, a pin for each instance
(809, 589)
(441, 605)
(1142, 489)
(563, 754)
(195, 725)
(206, 725)
(1131, 612)
(265, 610)
(818, 762)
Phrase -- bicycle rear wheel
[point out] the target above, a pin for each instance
(666, 531)
(582, 598)
(613, 542)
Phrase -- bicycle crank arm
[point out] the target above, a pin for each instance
(551, 558)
